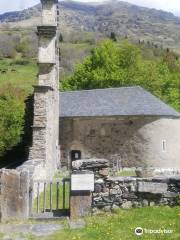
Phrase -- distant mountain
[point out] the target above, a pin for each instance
(113, 16)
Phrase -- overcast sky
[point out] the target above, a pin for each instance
(168, 5)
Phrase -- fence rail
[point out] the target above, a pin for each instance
(50, 197)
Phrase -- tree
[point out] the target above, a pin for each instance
(108, 65)
(11, 121)
(115, 65)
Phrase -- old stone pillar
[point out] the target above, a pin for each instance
(45, 147)
(82, 186)
(14, 195)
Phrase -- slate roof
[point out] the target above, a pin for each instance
(124, 101)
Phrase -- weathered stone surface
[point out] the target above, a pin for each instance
(100, 181)
(115, 207)
(135, 144)
(98, 188)
(170, 194)
(126, 205)
(45, 143)
(129, 195)
(90, 164)
(136, 204)
(38, 230)
(152, 187)
(80, 203)
(157, 172)
(14, 195)
(135, 192)
(145, 203)
(115, 192)
(104, 172)
(45, 229)
(145, 173)
(121, 179)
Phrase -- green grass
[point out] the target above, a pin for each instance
(121, 225)
(127, 174)
(18, 75)
(54, 198)
(65, 205)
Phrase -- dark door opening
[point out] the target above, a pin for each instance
(75, 155)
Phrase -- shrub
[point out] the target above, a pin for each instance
(11, 118)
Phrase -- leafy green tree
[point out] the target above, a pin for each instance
(108, 65)
(11, 122)
(115, 65)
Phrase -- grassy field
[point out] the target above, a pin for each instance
(121, 225)
(19, 73)
(129, 173)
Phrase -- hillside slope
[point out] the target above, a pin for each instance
(120, 17)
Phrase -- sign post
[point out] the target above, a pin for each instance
(82, 185)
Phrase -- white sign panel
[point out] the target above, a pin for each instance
(82, 182)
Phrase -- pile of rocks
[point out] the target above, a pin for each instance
(151, 172)
(127, 192)
(90, 164)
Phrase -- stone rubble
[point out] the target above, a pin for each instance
(126, 192)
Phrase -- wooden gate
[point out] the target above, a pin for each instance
(50, 199)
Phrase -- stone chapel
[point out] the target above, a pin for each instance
(127, 123)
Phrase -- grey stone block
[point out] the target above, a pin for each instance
(152, 187)
(170, 195)
(127, 205)
(145, 203)
(90, 164)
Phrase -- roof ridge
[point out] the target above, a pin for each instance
(101, 89)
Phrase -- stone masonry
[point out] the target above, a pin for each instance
(44, 153)
(14, 195)
(16, 185)
(127, 192)
(134, 141)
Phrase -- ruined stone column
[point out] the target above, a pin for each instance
(45, 147)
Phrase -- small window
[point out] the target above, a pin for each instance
(164, 147)
(75, 155)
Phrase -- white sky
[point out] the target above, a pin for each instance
(167, 5)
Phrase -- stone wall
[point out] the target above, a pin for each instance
(14, 195)
(127, 192)
(134, 141)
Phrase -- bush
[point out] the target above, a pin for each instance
(20, 62)
(11, 118)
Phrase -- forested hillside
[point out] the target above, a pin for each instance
(163, 28)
